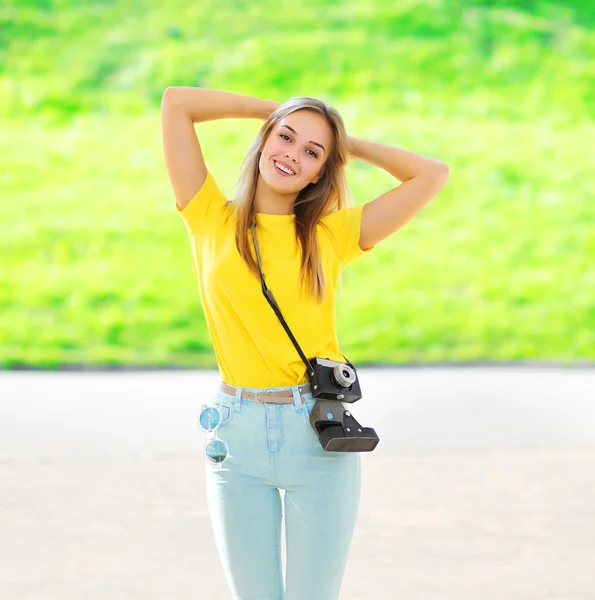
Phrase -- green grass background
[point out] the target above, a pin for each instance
(95, 263)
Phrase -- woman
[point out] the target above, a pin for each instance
(259, 438)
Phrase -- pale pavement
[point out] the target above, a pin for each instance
(482, 487)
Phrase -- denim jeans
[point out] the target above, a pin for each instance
(273, 447)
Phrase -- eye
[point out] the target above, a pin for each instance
(285, 136)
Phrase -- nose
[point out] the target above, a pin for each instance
(287, 155)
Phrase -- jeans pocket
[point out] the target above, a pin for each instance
(226, 413)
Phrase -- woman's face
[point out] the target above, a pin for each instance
(301, 143)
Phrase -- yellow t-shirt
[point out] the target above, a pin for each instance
(251, 347)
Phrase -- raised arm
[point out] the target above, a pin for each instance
(422, 178)
(183, 106)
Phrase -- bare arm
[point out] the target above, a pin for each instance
(401, 164)
(201, 104)
(181, 107)
(422, 178)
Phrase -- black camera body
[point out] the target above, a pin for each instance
(334, 380)
(333, 383)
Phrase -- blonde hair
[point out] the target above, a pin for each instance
(311, 204)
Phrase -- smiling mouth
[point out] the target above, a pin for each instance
(283, 169)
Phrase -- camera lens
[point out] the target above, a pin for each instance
(344, 375)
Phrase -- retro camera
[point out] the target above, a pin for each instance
(333, 383)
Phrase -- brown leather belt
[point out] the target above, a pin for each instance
(280, 397)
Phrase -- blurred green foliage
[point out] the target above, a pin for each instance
(515, 58)
(95, 262)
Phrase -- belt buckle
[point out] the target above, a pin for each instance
(256, 394)
(265, 391)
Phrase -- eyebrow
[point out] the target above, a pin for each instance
(311, 142)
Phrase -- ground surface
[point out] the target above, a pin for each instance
(483, 487)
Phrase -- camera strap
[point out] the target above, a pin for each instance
(271, 300)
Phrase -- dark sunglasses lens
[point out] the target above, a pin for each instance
(216, 451)
(209, 418)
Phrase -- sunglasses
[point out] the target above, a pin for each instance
(216, 451)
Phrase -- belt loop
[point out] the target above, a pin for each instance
(237, 403)
(297, 400)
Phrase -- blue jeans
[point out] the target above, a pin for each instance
(273, 447)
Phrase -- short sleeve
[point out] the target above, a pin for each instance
(204, 208)
(345, 227)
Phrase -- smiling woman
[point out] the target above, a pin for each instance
(292, 198)
(294, 155)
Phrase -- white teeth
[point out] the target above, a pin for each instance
(285, 170)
